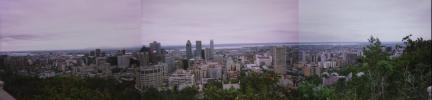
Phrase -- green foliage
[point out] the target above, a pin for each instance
(69, 88)
(414, 69)
(310, 91)
(252, 87)
(404, 77)
(188, 93)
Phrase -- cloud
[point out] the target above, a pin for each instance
(17, 37)
(50, 24)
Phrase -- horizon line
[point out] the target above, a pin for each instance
(138, 46)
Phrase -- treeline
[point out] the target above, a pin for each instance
(384, 77)
(68, 88)
(75, 88)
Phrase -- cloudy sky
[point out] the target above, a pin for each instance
(84, 24)
(356, 20)
(69, 24)
(225, 21)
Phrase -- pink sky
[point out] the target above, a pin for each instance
(89, 24)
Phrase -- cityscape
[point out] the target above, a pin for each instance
(217, 56)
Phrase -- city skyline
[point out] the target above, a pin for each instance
(81, 24)
(215, 49)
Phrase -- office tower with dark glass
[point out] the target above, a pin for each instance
(189, 50)
(198, 50)
(155, 47)
(211, 55)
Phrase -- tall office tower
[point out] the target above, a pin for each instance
(189, 50)
(98, 52)
(156, 47)
(92, 53)
(122, 52)
(198, 49)
(279, 59)
(155, 52)
(143, 58)
(211, 54)
(207, 54)
(123, 61)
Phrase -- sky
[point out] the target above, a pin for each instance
(89, 24)
(357, 20)
(225, 21)
(69, 24)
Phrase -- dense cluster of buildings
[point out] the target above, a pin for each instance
(192, 65)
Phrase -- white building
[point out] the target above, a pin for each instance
(151, 76)
(231, 86)
(254, 68)
(181, 79)
(327, 64)
(263, 59)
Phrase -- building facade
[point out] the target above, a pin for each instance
(279, 60)
(198, 50)
(189, 50)
(151, 76)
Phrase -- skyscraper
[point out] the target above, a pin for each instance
(143, 58)
(156, 52)
(198, 49)
(211, 52)
(123, 61)
(207, 54)
(156, 47)
(150, 76)
(189, 50)
(98, 52)
(279, 59)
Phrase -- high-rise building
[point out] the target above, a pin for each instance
(123, 61)
(189, 50)
(171, 62)
(279, 60)
(143, 58)
(156, 47)
(156, 53)
(211, 54)
(198, 49)
(121, 52)
(150, 76)
(103, 66)
(98, 52)
(207, 54)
